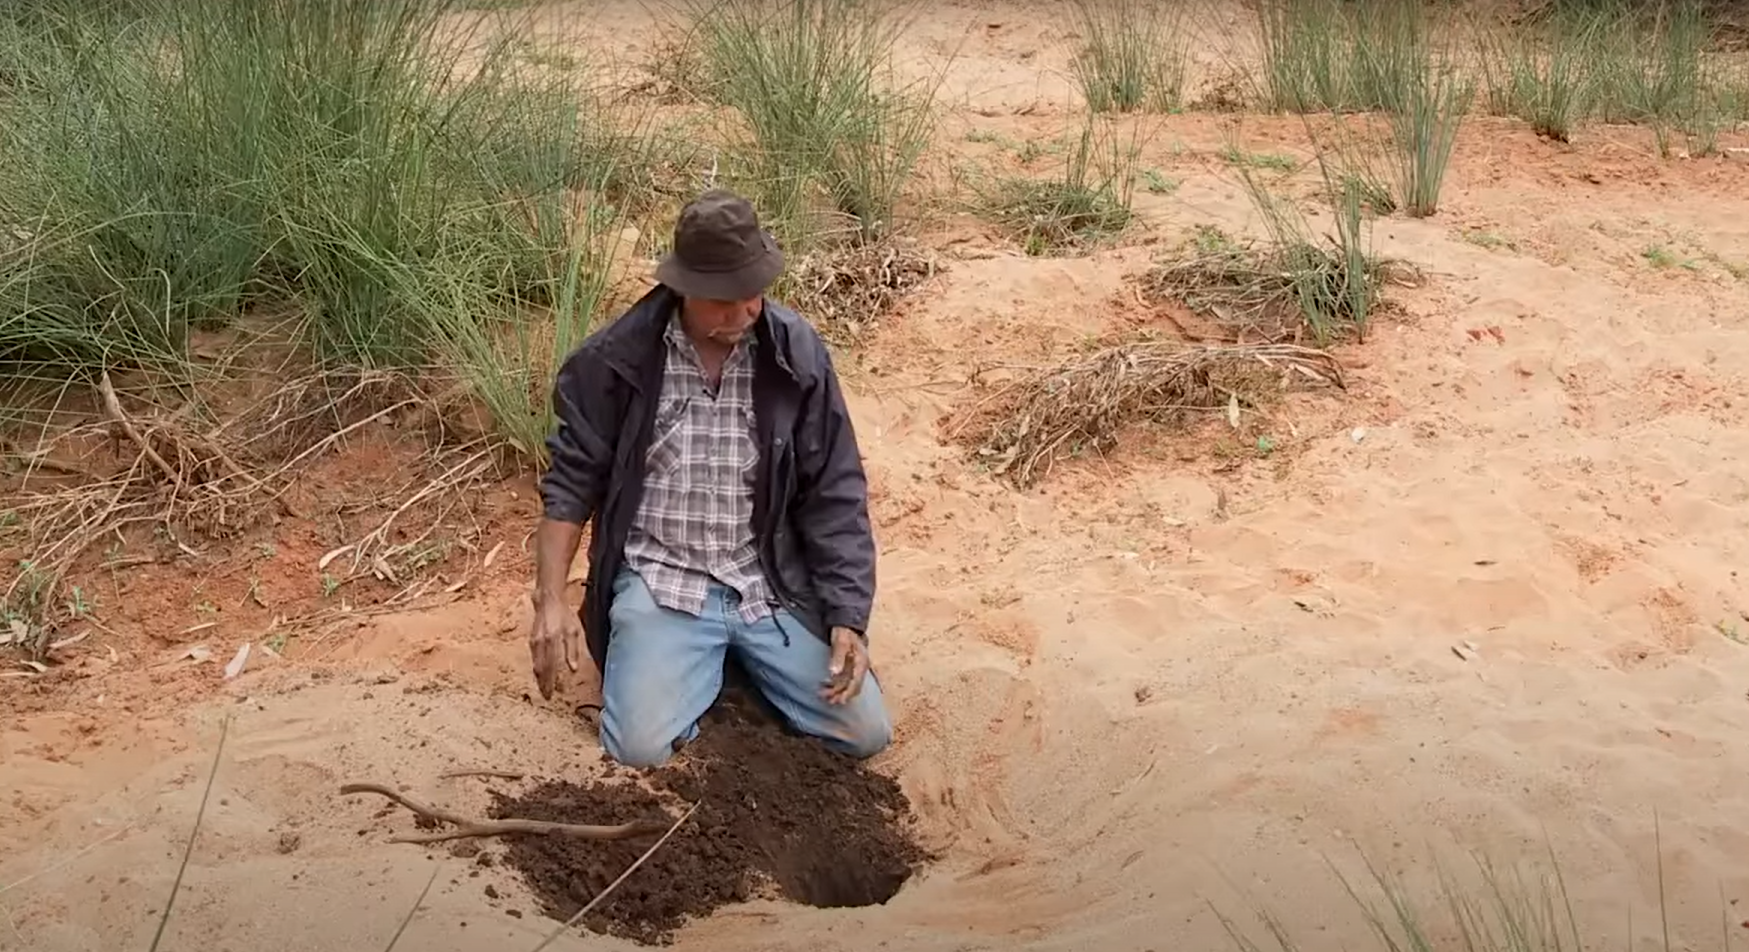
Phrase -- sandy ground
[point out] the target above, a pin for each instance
(1165, 680)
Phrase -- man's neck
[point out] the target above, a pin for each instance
(711, 351)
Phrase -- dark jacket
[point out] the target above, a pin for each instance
(810, 504)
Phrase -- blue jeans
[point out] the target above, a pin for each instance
(665, 668)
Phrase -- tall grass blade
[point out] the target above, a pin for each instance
(193, 834)
(408, 919)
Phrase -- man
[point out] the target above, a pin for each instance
(705, 434)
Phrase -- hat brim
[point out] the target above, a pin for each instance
(748, 281)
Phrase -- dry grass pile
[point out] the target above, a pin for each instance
(846, 291)
(1023, 427)
(173, 479)
(1258, 293)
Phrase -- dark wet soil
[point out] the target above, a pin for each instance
(778, 813)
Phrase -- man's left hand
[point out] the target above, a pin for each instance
(849, 667)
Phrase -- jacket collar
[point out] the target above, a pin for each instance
(636, 337)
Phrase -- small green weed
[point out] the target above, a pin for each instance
(1492, 240)
(1087, 201)
(1158, 183)
(1274, 161)
(1660, 256)
(80, 604)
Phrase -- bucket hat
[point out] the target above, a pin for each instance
(720, 251)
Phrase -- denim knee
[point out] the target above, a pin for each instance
(865, 737)
(642, 749)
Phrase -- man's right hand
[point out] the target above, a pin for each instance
(557, 634)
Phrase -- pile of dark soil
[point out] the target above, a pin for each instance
(778, 814)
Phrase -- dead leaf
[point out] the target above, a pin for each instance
(196, 654)
(236, 666)
(322, 562)
(491, 555)
(36, 666)
(1464, 652)
(380, 568)
(1233, 410)
(18, 631)
(68, 642)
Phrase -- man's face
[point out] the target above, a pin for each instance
(722, 322)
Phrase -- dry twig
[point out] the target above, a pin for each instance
(1022, 427)
(466, 828)
(492, 774)
(179, 476)
(845, 292)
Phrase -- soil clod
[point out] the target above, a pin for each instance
(778, 815)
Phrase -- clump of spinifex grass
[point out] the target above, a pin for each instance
(1659, 74)
(1336, 54)
(1543, 77)
(826, 120)
(1134, 55)
(1290, 284)
(1086, 201)
(1523, 907)
(204, 158)
(1617, 62)
(1424, 128)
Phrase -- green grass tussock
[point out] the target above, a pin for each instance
(1134, 57)
(1388, 56)
(174, 165)
(1616, 62)
(1086, 201)
(1424, 130)
(1292, 284)
(831, 136)
(1339, 55)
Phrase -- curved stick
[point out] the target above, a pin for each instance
(466, 828)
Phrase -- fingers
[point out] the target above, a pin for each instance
(574, 646)
(840, 652)
(849, 670)
(541, 648)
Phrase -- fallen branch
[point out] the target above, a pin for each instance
(495, 774)
(466, 828)
(112, 404)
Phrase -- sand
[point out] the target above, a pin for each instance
(1168, 682)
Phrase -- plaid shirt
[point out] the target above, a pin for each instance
(695, 523)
